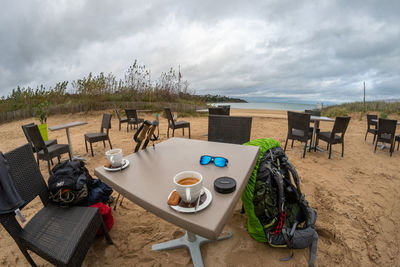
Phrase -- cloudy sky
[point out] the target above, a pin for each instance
(305, 50)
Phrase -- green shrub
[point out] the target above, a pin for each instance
(334, 112)
(383, 115)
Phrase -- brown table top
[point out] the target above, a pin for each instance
(149, 180)
(67, 125)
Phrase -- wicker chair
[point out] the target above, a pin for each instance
(47, 143)
(133, 118)
(100, 136)
(386, 133)
(372, 126)
(61, 236)
(120, 119)
(219, 111)
(229, 129)
(172, 124)
(336, 136)
(46, 152)
(299, 129)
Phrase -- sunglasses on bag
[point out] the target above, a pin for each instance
(218, 161)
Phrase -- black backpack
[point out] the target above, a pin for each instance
(276, 209)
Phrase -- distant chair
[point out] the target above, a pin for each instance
(47, 143)
(100, 136)
(172, 124)
(120, 119)
(61, 236)
(336, 136)
(372, 126)
(299, 129)
(218, 111)
(229, 129)
(386, 133)
(44, 152)
(133, 118)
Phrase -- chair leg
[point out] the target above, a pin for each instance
(189, 132)
(27, 256)
(91, 148)
(398, 144)
(106, 234)
(38, 161)
(376, 143)
(342, 149)
(327, 146)
(168, 132)
(104, 144)
(120, 126)
(305, 148)
(292, 143)
(86, 146)
(173, 132)
(109, 141)
(374, 138)
(366, 135)
(127, 127)
(391, 149)
(48, 166)
(287, 137)
(330, 150)
(59, 159)
(183, 131)
(69, 155)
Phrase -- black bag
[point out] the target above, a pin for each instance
(69, 183)
(280, 206)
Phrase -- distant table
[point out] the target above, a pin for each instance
(316, 120)
(205, 110)
(66, 127)
(149, 180)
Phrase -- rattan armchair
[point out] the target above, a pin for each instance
(172, 124)
(299, 129)
(61, 236)
(386, 133)
(120, 119)
(133, 118)
(100, 136)
(372, 126)
(44, 152)
(47, 143)
(336, 136)
(229, 129)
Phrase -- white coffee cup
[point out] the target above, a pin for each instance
(114, 156)
(189, 193)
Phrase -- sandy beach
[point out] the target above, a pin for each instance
(356, 198)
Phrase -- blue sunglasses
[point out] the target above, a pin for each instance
(218, 161)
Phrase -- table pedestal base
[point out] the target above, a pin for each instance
(192, 242)
(316, 147)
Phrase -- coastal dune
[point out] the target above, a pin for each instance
(356, 199)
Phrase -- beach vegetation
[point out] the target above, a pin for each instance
(384, 108)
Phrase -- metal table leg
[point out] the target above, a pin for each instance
(192, 242)
(77, 157)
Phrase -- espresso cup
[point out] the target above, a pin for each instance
(188, 184)
(114, 156)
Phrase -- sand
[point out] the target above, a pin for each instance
(356, 198)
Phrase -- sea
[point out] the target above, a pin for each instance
(269, 105)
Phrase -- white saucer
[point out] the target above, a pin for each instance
(125, 163)
(199, 208)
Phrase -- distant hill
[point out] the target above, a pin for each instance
(221, 99)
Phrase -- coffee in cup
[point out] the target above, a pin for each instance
(188, 184)
(114, 156)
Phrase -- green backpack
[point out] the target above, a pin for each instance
(277, 211)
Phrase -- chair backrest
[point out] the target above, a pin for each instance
(36, 138)
(106, 123)
(218, 111)
(298, 121)
(340, 126)
(26, 132)
(229, 129)
(387, 128)
(370, 123)
(169, 117)
(118, 115)
(131, 114)
(24, 170)
(313, 112)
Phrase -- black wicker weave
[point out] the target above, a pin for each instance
(219, 111)
(299, 128)
(133, 118)
(101, 136)
(62, 236)
(172, 124)
(372, 126)
(46, 152)
(47, 143)
(229, 129)
(337, 134)
(120, 119)
(386, 133)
